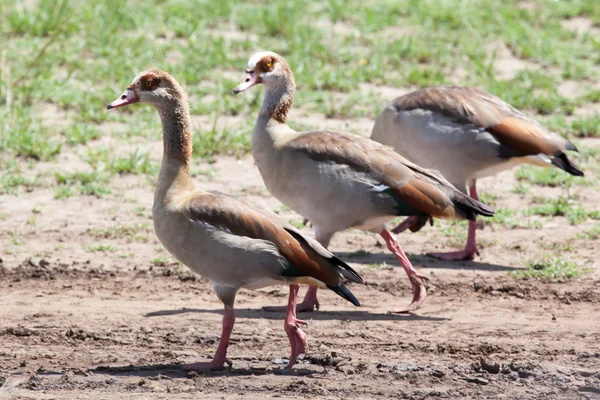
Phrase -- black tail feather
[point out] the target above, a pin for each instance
(563, 162)
(472, 208)
(347, 271)
(571, 146)
(344, 292)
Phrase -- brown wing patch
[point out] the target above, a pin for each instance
(524, 137)
(420, 188)
(149, 82)
(244, 219)
(427, 198)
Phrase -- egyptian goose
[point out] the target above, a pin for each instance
(466, 134)
(231, 241)
(339, 180)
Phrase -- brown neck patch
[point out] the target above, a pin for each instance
(278, 106)
(282, 109)
(177, 133)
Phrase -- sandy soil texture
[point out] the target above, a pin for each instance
(92, 307)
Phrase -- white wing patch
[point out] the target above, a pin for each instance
(379, 188)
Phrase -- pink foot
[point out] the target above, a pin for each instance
(419, 294)
(309, 304)
(417, 280)
(465, 254)
(298, 340)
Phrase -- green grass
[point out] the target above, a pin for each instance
(11, 182)
(77, 56)
(563, 207)
(24, 136)
(512, 219)
(160, 261)
(136, 163)
(81, 133)
(551, 177)
(87, 183)
(550, 268)
(222, 141)
(591, 234)
(588, 127)
(104, 248)
(136, 233)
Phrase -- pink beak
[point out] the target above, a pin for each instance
(128, 97)
(250, 79)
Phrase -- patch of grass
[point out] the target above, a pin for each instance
(129, 232)
(143, 212)
(382, 265)
(10, 183)
(28, 139)
(105, 248)
(88, 183)
(563, 207)
(160, 261)
(511, 219)
(456, 233)
(551, 268)
(590, 234)
(222, 141)
(81, 133)
(63, 192)
(70, 57)
(551, 177)
(521, 188)
(588, 127)
(137, 163)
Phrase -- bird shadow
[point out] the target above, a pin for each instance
(422, 260)
(178, 370)
(315, 315)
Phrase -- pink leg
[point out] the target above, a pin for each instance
(220, 358)
(468, 253)
(298, 341)
(416, 280)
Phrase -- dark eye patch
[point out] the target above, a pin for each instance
(266, 64)
(149, 82)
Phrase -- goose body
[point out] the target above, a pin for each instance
(338, 180)
(467, 134)
(231, 241)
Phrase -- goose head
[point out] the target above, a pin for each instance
(267, 68)
(154, 87)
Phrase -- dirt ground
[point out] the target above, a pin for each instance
(118, 320)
